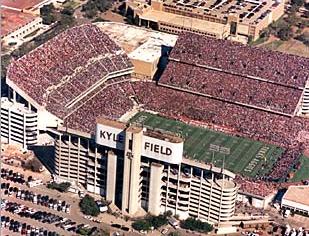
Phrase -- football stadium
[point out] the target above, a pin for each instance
(221, 118)
(247, 157)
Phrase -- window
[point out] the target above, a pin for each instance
(233, 29)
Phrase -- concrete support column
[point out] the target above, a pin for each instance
(9, 125)
(200, 194)
(210, 195)
(156, 171)
(60, 154)
(131, 171)
(69, 155)
(24, 132)
(95, 170)
(78, 158)
(111, 176)
(14, 95)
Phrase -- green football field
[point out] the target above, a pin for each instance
(248, 157)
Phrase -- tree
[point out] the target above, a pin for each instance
(285, 33)
(196, 225)
(141, 225)
(83, 231)
(62, 187)
(304, 38)
(66, 20)
(174, 234)
(157, 221)
(48, 19)
(93, 6)
(67, 11)
(88, 206)
(292, 19)
(47, 14)
(297, 3)
(150, 221)
(47, 9)
(34, 164)
(5, 61)
(168, 213)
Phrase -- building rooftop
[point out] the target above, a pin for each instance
(139, 43)
(112, 123)
(21, 4)
(250, 11)
(298, 194)
(226, 184)
(186, 22)
(11, 20)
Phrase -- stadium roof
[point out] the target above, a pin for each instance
(59, 74)
(186, 22)
(21, 4)
(248, 11)
(139, 43)
(298, 194)
(12, 20)
(239, 59)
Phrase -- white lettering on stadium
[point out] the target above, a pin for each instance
(150, 147)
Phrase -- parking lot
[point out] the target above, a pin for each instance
(51, 202)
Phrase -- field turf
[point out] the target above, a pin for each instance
(247, 157)
(302, 173)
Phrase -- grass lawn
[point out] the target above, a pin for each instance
(71, 3)
(248, 157)
(274, 45)
(303, 172)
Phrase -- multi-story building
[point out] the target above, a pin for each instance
(17, 25)
(143, 169)
(236, 20)
(18, 123)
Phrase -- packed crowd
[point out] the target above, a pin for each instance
(231, 87)
(68, 65)
(286, 162)
(258, 125)
(102, 104)
(256, 187)
(236, 58)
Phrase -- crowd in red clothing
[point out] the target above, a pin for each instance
(240, 59)
(256, 124)
(68, 65)
(111, 100)
(256, 187)
(232, 88)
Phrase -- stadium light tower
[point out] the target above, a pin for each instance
(219, 149)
